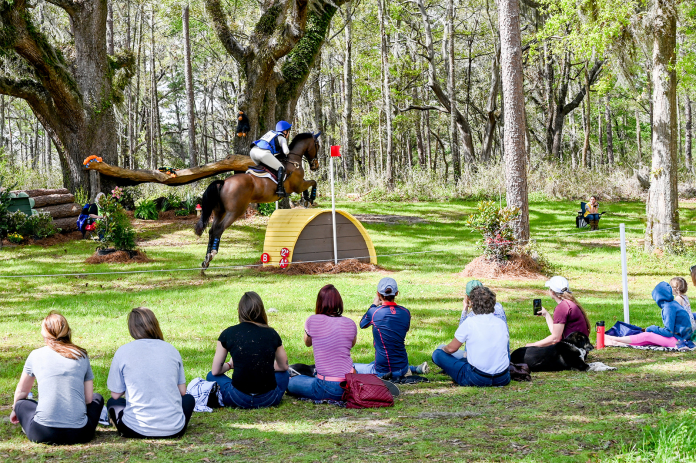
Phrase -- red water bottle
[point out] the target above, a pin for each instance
(600, 335)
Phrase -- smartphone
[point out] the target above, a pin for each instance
(537, 306)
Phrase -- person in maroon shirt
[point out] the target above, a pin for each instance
(568, 316)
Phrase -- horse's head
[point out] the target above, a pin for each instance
(307, 145)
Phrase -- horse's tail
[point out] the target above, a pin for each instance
(211, 198)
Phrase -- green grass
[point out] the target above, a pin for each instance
(567, 416)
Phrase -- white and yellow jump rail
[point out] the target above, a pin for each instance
(307, 234)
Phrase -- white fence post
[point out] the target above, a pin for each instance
(624, 273)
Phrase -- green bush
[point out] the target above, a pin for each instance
(171, 201)
(4, 205)
(146, 210)
(495, 225)
(266, 208)
(188, 205)
(39, 226)
(115, 228)
(15, 238)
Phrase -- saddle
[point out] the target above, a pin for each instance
(262, 171)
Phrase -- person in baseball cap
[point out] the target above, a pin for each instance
(467, 312)
(568, 316)
(390, 323)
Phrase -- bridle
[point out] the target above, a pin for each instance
(298, 163)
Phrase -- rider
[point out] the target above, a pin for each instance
(265, 150)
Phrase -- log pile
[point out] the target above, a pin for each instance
(60, 204)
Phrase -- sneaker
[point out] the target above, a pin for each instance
(423, 369)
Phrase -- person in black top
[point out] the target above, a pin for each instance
(260, 364)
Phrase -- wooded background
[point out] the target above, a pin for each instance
(402, 86)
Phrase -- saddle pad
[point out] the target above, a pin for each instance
(261, 174)
(660, 348)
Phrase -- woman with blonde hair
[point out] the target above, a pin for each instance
(568, 316)
(258, 360)
(68, 412)
(147, 383)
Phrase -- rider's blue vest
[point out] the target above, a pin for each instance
(268, 142)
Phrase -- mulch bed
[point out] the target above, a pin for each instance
(517, 267)
(58, 238)
(344, 266)
(119, 257)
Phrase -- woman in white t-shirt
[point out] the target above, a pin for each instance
(147, 383)
(486, 338)
(69, 409)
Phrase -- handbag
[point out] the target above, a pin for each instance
(365, 391)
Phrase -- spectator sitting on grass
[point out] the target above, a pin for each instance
(390, 323)
(257, 356)
(486, 337)
(147, 383)
(467, 313)
(69, 409)
(332, 336)
(568, 316)
(677, 331)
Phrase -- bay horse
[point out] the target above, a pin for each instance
(229, 199)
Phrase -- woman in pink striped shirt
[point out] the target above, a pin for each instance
(332, 336)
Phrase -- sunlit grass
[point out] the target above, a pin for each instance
(562, 416)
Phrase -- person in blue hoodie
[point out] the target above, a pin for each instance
(677, 331)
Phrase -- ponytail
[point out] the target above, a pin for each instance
(57, 333)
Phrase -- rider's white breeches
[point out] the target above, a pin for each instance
(261, 156)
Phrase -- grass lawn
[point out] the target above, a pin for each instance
(568, 416)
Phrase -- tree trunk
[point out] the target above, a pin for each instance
(610, 139)
(663, 201)
(110, 27)
(639, 141)
(420, 147)
(386, 93)
(190, 104)
(600, 136)
(451, 90)
(689, 134)
(513, 102)
(492, 113)
(348, 152)
(73, 102)
(587, 122)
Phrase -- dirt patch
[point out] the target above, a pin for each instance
(171, 215)
(345, 266)
(58, 238)
(119, 257)
(517, 267)
(389, 219)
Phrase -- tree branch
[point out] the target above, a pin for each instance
(68, 5)
(222, 30)
(594, 75)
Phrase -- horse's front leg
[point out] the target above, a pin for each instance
(304, 188)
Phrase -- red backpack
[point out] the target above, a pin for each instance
(366, 391)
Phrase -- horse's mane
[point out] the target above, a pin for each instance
(299, 137)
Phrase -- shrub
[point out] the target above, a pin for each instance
(188, 205)
(266, 208)
(171, 201)
(146, 210)
(4, 205)
(15, 238)
(115, 228)
(495, 225)
(16, 221)
(39, 226)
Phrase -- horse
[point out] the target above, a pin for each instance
(229, 199)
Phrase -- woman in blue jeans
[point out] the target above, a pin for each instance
(332, 336)
(486, 337)
(260, 364)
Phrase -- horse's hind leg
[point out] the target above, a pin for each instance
(216, 230)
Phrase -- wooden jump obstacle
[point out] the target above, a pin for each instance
(307, 234)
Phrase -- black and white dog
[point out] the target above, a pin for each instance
(569, 354)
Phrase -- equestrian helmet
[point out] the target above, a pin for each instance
(282, 126)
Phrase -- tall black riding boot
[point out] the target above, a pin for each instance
(280, 191)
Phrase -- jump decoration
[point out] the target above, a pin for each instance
(316, 235)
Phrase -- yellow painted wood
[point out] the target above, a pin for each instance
(285, 225)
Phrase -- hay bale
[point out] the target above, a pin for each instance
(119, 257)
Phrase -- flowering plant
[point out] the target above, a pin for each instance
(115, 227)
(15, 238)
(496, 227)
